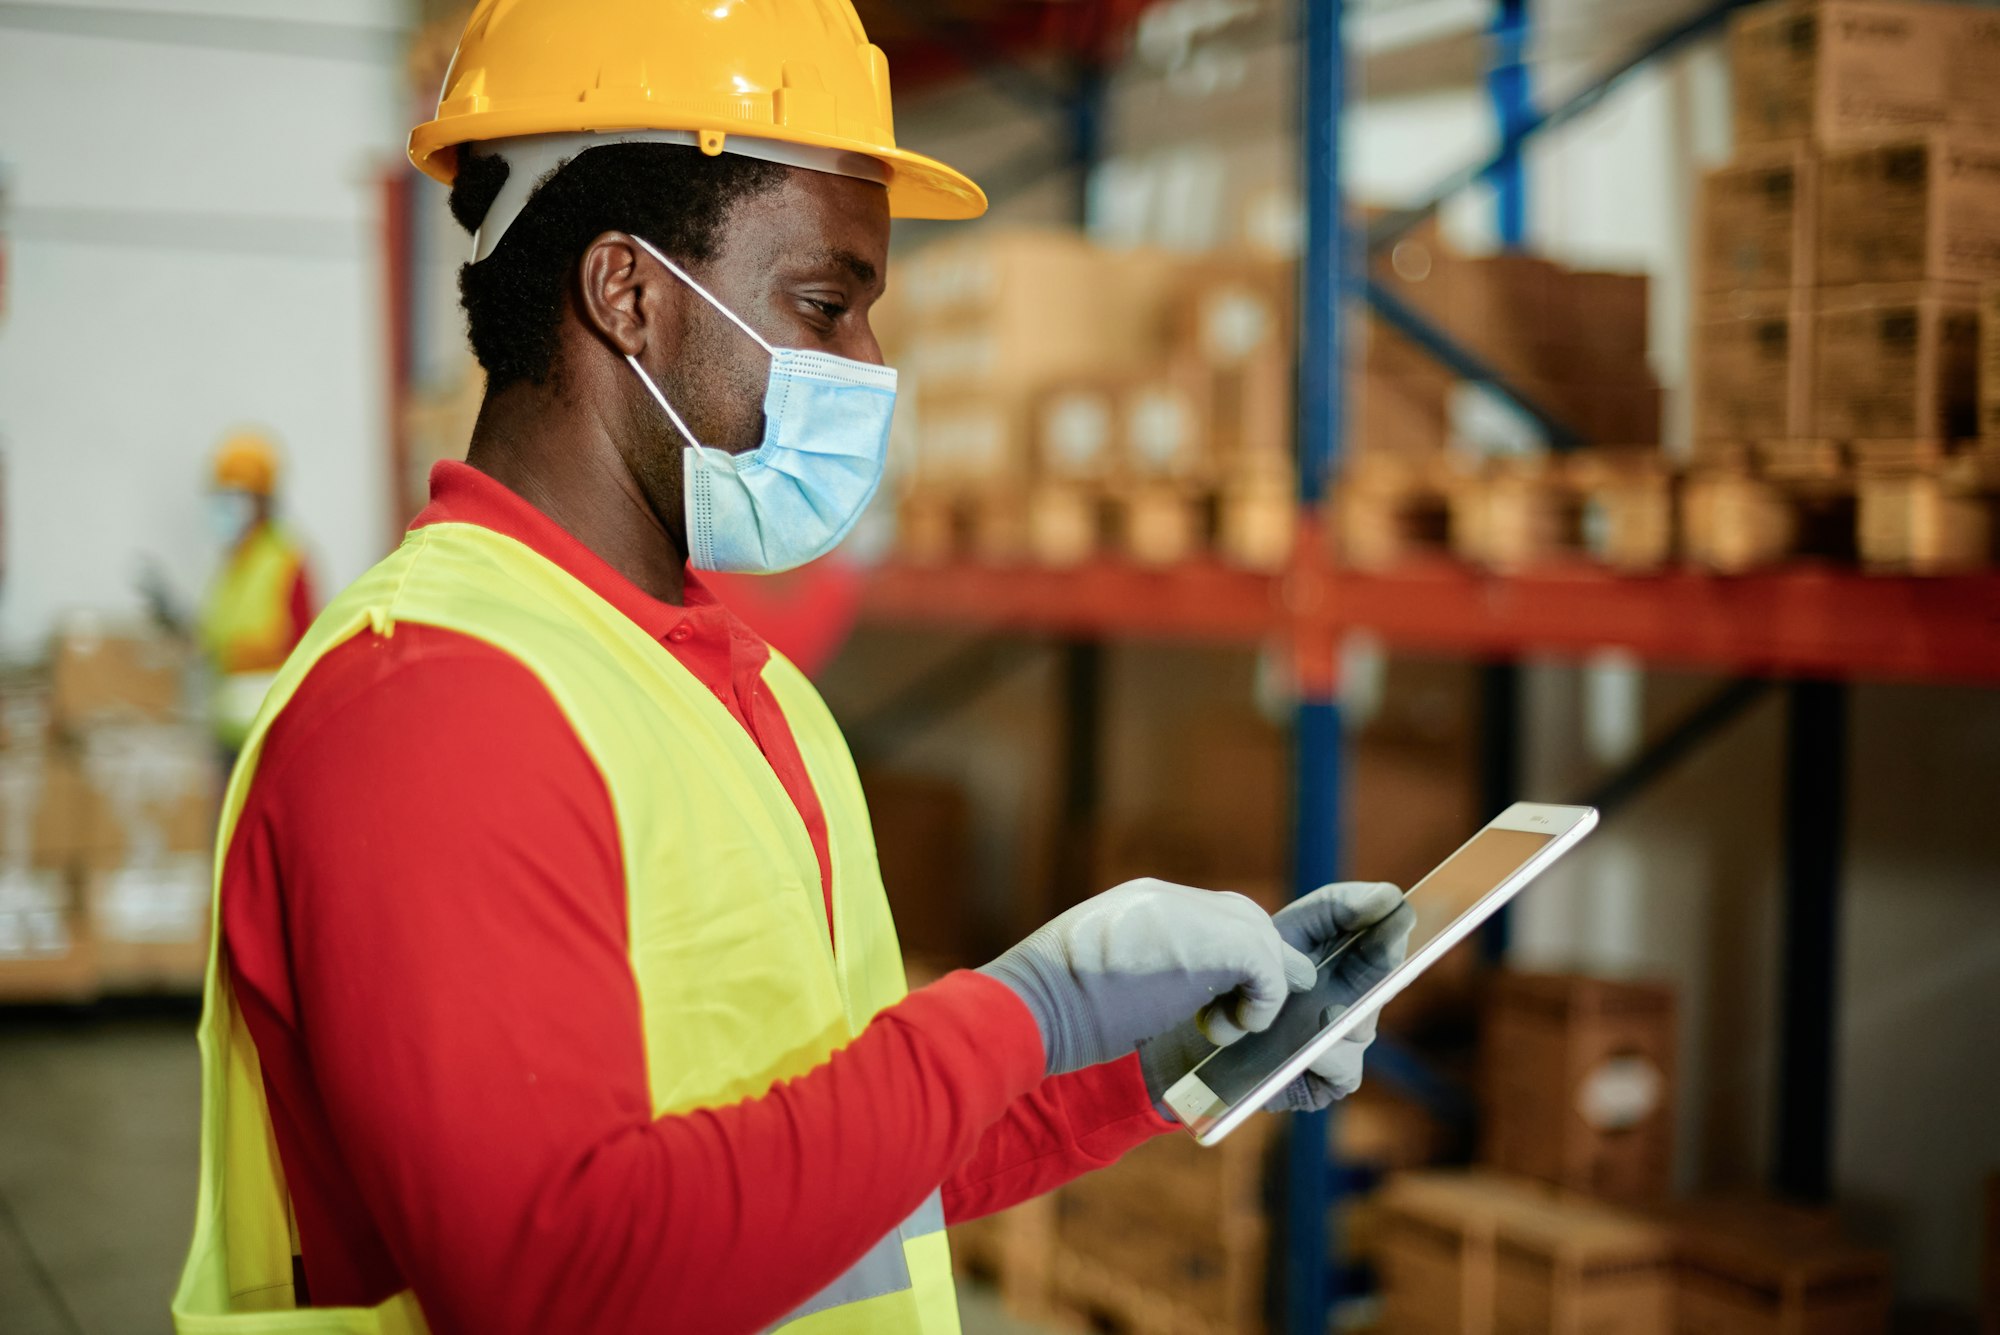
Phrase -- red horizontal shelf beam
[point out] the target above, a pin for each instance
(1801, 622)
(1196, 601)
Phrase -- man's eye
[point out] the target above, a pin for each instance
(832, 310)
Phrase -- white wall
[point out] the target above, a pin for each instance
(192, 236)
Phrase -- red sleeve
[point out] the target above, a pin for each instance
(301, 604)
(1067, 1126)
(454, 963)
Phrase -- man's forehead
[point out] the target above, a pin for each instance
(824, 223)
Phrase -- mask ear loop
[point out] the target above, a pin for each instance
(661, 399)
(709, 297)
(706, 295)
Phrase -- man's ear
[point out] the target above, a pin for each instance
(624, 299)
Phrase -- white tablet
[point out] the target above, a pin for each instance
(1227, 1085)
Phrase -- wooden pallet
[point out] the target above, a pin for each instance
(1390, 509)
(1248, 521)
(1736, 522)
(1122, 1300)
(1014, 1252)
(1941, 521)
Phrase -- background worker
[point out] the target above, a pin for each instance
(261, 600)
(554, 953)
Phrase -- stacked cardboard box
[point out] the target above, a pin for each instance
(1578, 1083)
(1065, 398)
(107, 816)
(1838, 262)
(1574, 342)
(44, 951)
(1482, 1254)
(1172, 1236)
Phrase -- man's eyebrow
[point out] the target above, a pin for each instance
(864, 271)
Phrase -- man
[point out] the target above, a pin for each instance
(261, 602)
(556, 988)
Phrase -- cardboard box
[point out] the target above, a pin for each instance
(152, 790)
(37, 913)
(1577, 1077)
(1012, 309)
(1753, 365)
(1910, 209)
(1569, 1267)
(1607, 313)
(1436, 1257)
(1234, 311)
(1895, 362)
(1754, 222)
(1397, 414)
(1988, 423)
(967, 437)
(1604, 412)
(46, 951)
(1847, 70)
(1164, 426)
(1756, 1272)
(44, 810)
(1078, 429)
(26, 712)
(100, 676)
(149, 921)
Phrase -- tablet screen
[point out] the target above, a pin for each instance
(1461, 881)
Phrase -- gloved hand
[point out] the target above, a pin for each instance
(1139, 957)
(1312, 924)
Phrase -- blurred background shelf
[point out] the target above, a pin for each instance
(1200, 601)
(1812, 622)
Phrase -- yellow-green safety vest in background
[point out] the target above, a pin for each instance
(724, 912)
(246, 627)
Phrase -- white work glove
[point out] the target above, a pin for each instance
(1310, 924)
(1139, 957)
(1313, 924)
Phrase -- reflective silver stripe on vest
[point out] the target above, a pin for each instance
(883, 1270)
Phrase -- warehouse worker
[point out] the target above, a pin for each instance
(557, 990)
(261, 601)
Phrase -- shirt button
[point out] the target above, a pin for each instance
(680, 633)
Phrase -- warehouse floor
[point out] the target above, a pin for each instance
(99, 1116)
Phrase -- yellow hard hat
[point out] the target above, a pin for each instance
(247, 461)
(800, 73)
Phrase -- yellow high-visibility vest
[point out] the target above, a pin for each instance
(709, 837)
(246, 627)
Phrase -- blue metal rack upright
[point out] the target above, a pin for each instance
(1305, 1286)
(1337, 265)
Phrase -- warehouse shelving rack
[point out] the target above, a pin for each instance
(1803, 631)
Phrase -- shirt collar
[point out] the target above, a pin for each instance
(461, 494)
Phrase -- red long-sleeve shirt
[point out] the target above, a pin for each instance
(423, 911)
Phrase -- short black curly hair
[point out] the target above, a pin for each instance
(675, 196)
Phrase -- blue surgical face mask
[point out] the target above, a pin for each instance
(230, 514)
(793, 498)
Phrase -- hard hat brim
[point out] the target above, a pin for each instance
(919, 186)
